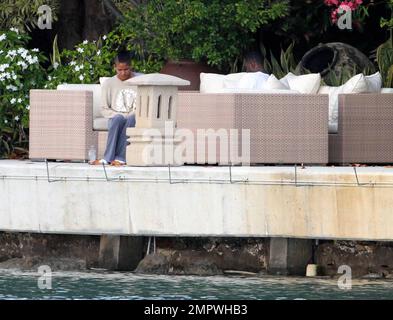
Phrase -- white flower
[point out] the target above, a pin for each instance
(28, 107)
(16, 118)
(55, 65)
(11, 87)
(22, 64)
(15, 30)
(14, 77)
(72, 63)
(19, 100)
(81, 77)
(3, 67)
(22, 50)
(36, 50)
(104, 38)
(13, 100)
(98, 52)
(3, 37)
(49, 78)
(80, 50)
(77, 68)
(85, 42)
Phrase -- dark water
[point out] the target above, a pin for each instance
(96, 285)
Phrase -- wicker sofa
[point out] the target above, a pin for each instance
(285, 128)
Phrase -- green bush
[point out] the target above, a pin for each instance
(20, 71)
(215, 31)
(91, 60)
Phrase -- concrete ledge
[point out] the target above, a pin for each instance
(315, 203)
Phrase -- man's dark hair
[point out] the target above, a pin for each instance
(123, 57)
(253, 56)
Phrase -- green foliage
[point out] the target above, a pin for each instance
(384, 54)
(215, 31)
(91, 60)
(384, 59)
(280, 67)
(385, 23)
(23, 14)
(20, 71)
(337, 79)
(85, 64)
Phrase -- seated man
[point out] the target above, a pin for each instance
(118, 99)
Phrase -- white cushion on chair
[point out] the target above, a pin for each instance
(306, 83)
(211, 82)
(374, 82)
(357, 84)
(100, 124)
(387, 90)
(273, 83)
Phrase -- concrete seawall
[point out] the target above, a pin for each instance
(289, 202)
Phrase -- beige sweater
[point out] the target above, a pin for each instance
(117, 97)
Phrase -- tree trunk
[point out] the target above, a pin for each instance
(81, 20)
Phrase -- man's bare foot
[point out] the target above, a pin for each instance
(98, 162)
(118, 163)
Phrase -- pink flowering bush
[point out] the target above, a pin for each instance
(353, 5)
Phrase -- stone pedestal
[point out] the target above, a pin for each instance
(152, 142)
(152, 147)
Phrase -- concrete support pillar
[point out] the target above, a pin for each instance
(289, 256)
(120, 253)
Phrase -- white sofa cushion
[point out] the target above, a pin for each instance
(267, 91)
(95, 88)
(100, 124)
(103, 79)
(307, 83)
(374, 82)
(213, 83)
(357, 84)
(387, 90)
(273, 83)
(246, 80)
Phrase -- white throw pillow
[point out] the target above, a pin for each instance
(211, 82)
(357, 84)
(103, 79)
(374, 82)
(387, 90)
(253, 80)
(307, 83)
(273, 83)
(256, 91)
(284, 80)
(245, 80)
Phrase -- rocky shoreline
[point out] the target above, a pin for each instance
(191, 256)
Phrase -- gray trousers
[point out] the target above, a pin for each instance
(117, 139)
